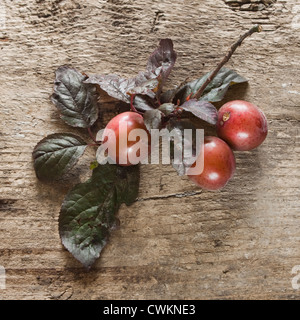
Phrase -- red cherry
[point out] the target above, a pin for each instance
(121, 126)
(242, 125)
(219, 165)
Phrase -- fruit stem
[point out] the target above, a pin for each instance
(231, 51)
(132, 107)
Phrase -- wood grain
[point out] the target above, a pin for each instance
(176, 241)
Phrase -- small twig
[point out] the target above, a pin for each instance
(254, 29)
(132, 107)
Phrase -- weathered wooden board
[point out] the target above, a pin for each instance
(176, 241)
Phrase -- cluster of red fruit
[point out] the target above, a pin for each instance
(241, 126)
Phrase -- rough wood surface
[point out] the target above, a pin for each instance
(176, 241)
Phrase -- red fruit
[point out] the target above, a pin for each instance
(219, 165)
(121, 126)
(242, 125)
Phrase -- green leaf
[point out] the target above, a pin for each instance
(87, 214)
(76, 100)
(56, 154)
(215, 91)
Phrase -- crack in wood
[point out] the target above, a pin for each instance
(172, 195)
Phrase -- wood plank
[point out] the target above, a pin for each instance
(176, 241)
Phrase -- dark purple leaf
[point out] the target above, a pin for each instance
(76, 100)
(165, 57)
(56, 154)
(215, 91)
(152, 119)
(168, 96)
(121, 88)
(203, 110)
(149, 82)
(88, 212)
(143, 103)
(145, 88)
(180, 139)
(113, 85)
(167, 108)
